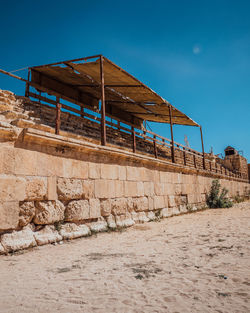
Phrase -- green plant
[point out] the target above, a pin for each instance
(217, 199)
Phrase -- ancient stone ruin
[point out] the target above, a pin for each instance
(66, 172)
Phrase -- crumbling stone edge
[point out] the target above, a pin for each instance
(33, 235)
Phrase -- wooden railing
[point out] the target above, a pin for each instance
(137, 140)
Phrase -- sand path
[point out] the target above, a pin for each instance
(192, 263)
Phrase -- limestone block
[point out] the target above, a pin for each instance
(140, 189)
(52, 188)
(75, 169)
(9, 215)
(94, 208)
(69, 189)
(18, 240)
(105, 207)
(156, 175)
(142, 217)
(119, 188)
(130, 203)
(130, 189)
(151, 203)
(111, 222)
(147, 175)
(71, 231)
(94, 170)
(165, 177)
(99, 226)
(119, 206)
(4, 105)
(124, 220)
(151, 216)
(159, 202)
(176, 178)
(177, 189)
(169, 188)
(122, 172)
(26, 162)
(7, 160)
(133, 173)
(203, 197)
(135, 216)
(159, 189)
(175, 211)
(48, 212)
(5, 124)
(149, 188)
(12, 189)
(166, 212)
(2, 250)
(26, 213)
(47, 234)
(35, 189)
(183, 208)
(109, 171)
(171, 201)
(104, 188)
(77, 210)
(88, 187)
(141, 204)
(192, 198)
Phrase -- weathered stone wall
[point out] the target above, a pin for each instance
(55, 187)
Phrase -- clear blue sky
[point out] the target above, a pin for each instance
(196, 54)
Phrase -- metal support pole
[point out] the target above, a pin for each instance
(103, 109)
(172, 136)
(184, 156)
(58, 115)
(82, 112)
(27, 89)
(203, 153)
(155, 148)
(133, 139)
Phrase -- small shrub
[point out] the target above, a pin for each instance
(238, 198)
(217, 199)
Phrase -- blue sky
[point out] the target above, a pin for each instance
(195, 54)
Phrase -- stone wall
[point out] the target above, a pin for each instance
(55, 187)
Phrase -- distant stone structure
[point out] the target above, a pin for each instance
(235, 161)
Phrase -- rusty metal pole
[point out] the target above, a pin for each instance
(27, 85)
(172, 136)
(58, 115)
(103, 109)
(133, 139)
(203, 153)
(184, 156)
(155, 148)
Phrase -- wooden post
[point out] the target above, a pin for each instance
(103, 109)
(133, 139)
(172, 136)
(155, 148)
(58, 115)
(203, 153)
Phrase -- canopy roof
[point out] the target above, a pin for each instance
(125, 96)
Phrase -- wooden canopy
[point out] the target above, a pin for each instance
(125, 96)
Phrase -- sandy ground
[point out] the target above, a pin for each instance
(192, 263)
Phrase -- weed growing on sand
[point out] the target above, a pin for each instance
(217, 199)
